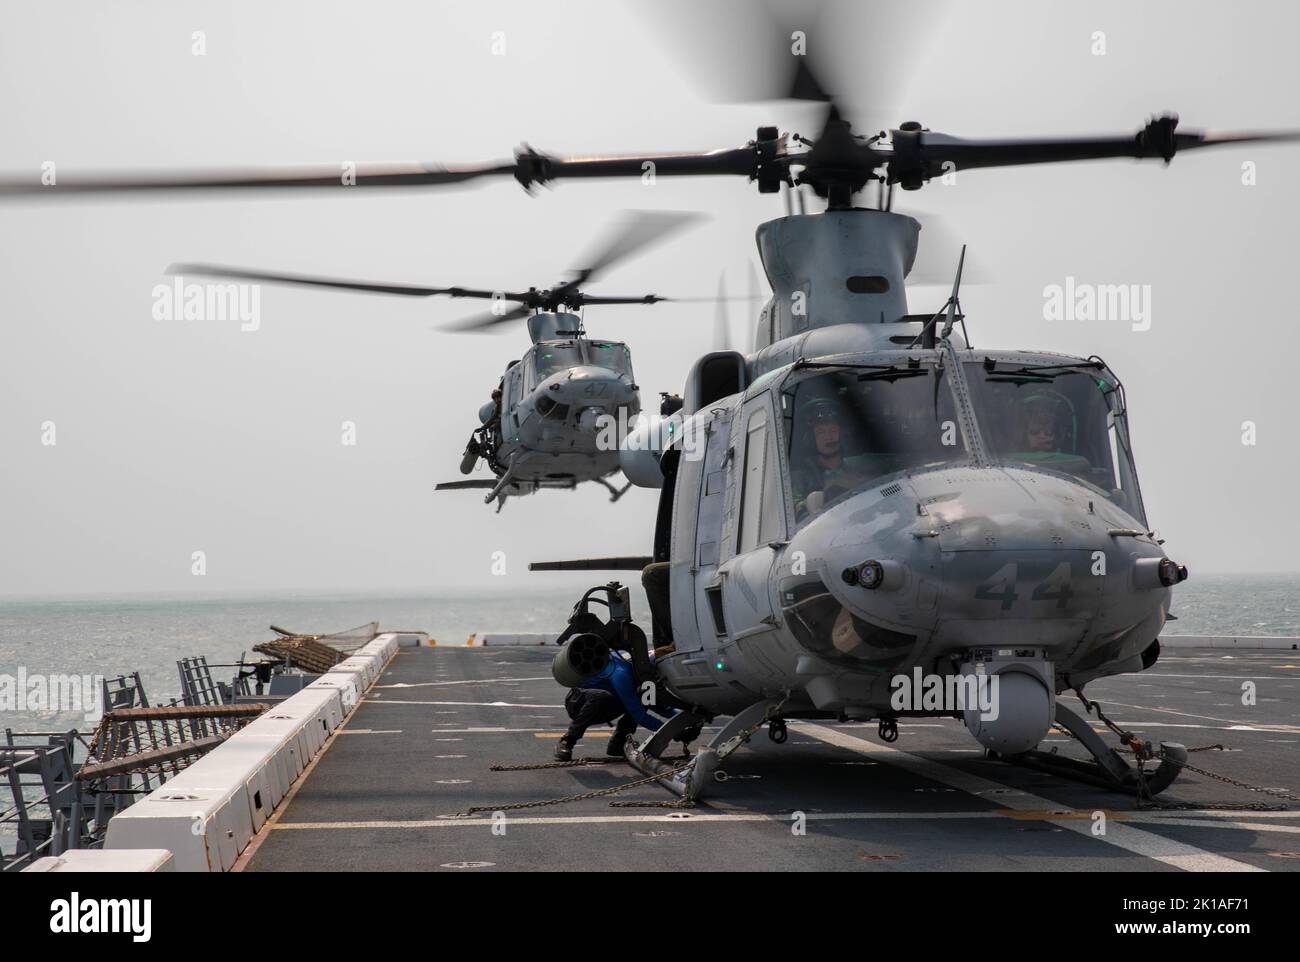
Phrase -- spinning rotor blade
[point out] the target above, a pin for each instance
(755, 293)
(480, 323)
(919, 155)
(636, 232)
(310, 280)
(941, 245)
(320, 177)
(854, 58)
(722, 318)
(607, 299)
(529, 167)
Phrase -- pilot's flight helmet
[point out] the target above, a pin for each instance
(1048, 411)
(818, 408)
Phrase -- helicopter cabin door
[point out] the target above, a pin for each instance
(758, 522)
(512, 392)
(698, 534)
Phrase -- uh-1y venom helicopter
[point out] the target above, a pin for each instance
(983, 515)
(543, 426)
(866, 499)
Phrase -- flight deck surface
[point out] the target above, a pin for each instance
(417, 751)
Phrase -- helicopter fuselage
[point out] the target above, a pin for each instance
(873, 505)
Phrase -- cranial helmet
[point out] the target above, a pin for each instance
(1048, 407)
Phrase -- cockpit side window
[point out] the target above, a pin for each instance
(751, 505)
(514, 380)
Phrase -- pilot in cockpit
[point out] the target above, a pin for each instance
(1048, 437)
(820, 471)
(1045, 433)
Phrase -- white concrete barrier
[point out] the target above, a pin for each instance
(101, 860)
(504, 640)
(207, 815)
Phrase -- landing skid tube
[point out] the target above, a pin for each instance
(615, 493)
(691, 783)
(502, 483)
(1109, 770)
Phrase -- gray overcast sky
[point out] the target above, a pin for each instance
(182, 436)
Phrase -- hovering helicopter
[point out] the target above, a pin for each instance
(864, 495)
(543, 426)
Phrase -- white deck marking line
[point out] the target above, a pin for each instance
(489, 730)
(464, 681)
(1131, 839)
(1250, 677)
(1278, 729)
(370, 731)
(694, 817)
(1245, 826)
(717, 817)
(1185, 714)
(1275, 729)
(1207, 813)
(470, 704)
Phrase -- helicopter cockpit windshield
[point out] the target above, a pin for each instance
(1057, 418)
(610, 355)
(549, 358)
(852, 426)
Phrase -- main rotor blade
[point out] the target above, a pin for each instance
(919, 155)
(536, 168)
(309, 280)
(613, 299)
(529, 167)
(481, 323)
(637, 231)
(339, 176)
(754, 293)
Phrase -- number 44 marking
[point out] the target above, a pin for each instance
(1001, 587)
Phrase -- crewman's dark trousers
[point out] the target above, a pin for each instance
(594, 706)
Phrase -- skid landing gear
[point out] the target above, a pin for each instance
(888, 730)
(691, 779)
(615, 493)
(1109, 769)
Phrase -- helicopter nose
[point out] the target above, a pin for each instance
(984, 557)
(592, 387)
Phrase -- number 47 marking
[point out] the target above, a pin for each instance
(1001, 587)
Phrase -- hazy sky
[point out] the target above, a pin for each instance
(175, 436)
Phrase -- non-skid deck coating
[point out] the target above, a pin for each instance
(419, 747)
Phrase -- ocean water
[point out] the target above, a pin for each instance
(114, 636)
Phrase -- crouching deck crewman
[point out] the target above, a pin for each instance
(609, 695)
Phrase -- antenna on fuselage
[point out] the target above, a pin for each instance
(951, 312)
(954, 302)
